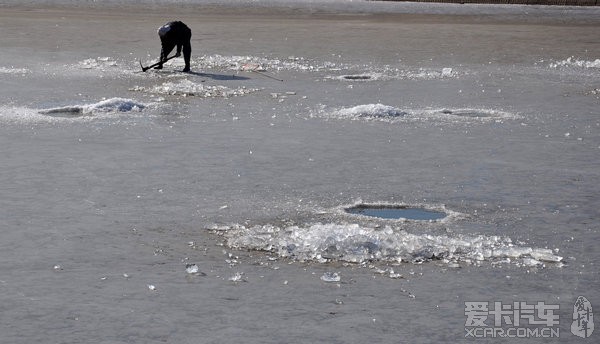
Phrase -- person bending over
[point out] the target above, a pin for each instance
(173, 34)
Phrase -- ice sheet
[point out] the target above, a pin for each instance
(104, 212)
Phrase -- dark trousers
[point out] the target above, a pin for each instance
(179, 36)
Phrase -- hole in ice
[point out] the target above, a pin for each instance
(396, 212)
(471, 113)
(67, 112)
(357, 77)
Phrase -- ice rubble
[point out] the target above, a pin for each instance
(249, 63)
(189, 88)
(389, 73)
(192, 268)
(355, 243)
(573, 62)
(98, 63)
(367, 111)
(11, 70)
(301, 64)
(105, 66)
(105, 108)
(331, 277)
(386, 113)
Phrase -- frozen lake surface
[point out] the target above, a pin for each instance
(212, 206)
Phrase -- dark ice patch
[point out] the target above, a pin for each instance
(396, 212)
(470, 113)
(356, 77)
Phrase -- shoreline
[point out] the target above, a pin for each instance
(420, 11)
(511, 2)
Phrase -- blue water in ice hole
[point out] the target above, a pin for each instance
(397, 212)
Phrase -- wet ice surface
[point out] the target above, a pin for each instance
(167, 206)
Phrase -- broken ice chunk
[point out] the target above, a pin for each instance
(330, 277)
(191, 268)
(545, 255)
(237, 277)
